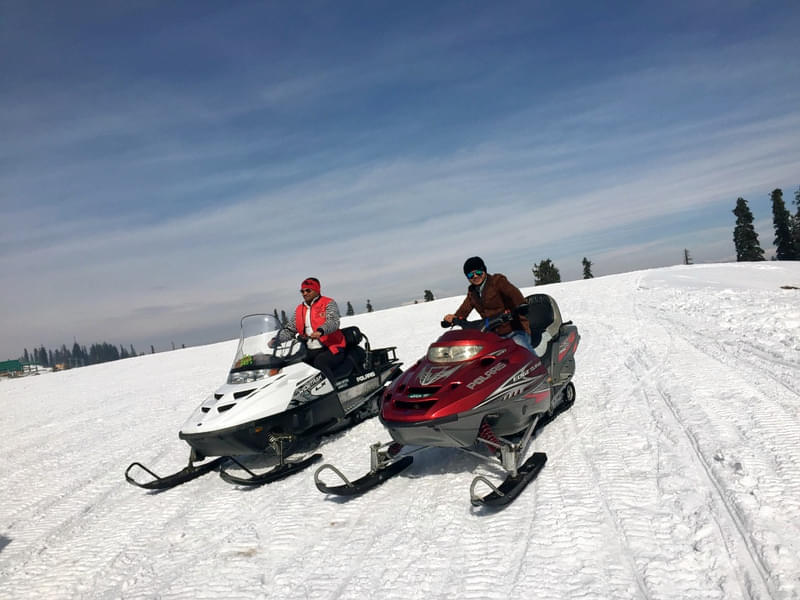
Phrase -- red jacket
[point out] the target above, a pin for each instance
(333, 341)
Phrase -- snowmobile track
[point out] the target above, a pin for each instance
(626, 550)
(733, 515)
(751, 359)
(756, 572)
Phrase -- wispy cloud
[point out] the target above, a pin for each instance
(159, 198)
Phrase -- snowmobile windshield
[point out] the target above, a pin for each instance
(259, 353)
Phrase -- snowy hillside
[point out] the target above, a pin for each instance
(675, 475)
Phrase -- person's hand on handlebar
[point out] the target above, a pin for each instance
(450, 320)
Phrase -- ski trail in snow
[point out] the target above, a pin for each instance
(733, 546)
(745, 356)
(621, 538)
(761, 583)
(731, 520)
(620, 497)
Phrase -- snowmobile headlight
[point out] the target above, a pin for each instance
(247, 376)
(450, 354)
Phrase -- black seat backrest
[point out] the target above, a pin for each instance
(352, 335)
(543, 315)
(355, 354)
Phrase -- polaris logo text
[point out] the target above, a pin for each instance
(486, 376)
(365, 376)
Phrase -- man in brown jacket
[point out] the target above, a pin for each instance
(492, 295)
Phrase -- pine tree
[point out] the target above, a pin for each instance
(78, 358)
(350, 310)
(546, 272)
(284, 320)
(782, 221)
(369, 306)
(745, 237)
(275, 312)
(63, 356)
(428, 295)
(796, 224)
(587, 268)
(687, 258)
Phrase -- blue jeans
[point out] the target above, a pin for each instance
(521, 338)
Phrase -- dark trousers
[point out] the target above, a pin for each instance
(324, 360)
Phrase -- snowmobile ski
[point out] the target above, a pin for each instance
(278, 472)
(512, 486)
(191, 471)
(362, 484)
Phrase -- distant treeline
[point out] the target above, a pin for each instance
(78, 356)
(745, 238)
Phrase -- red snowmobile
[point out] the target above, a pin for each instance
(477, 391)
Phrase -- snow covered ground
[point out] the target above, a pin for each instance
(675, 475)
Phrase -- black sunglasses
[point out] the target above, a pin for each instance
(306, 290)
(475, 273)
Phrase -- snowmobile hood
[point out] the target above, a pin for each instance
(235, 404)
(435, 389)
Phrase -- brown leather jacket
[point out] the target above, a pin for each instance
(497, 296)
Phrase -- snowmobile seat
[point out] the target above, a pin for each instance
(352, 335)
(356, 355)
(545, 321)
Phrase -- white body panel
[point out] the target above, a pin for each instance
(269, 396)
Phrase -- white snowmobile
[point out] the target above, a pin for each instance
(273, 402)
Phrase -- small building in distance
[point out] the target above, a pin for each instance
(11, 368)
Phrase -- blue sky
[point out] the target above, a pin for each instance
(167, 167)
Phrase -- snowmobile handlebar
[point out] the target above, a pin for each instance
(456, 321)
(488, 323)
(274, 344)
(295, 336)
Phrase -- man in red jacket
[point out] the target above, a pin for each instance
(316, 320)
(492, 295)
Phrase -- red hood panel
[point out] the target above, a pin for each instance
(433, 391)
